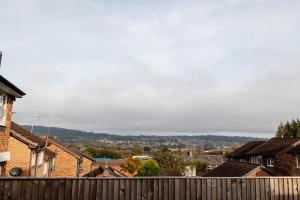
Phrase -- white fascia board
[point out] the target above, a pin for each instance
(4, 156)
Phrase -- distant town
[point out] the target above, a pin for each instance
(103, 140)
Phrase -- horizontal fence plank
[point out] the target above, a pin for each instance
(151, 188)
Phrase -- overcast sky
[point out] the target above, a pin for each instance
(227, 66)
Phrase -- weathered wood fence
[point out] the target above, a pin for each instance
(286, 188)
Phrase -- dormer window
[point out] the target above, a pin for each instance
(256, 160)
(270, 162)
(3, 103)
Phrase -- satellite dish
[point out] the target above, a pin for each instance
(16, 171)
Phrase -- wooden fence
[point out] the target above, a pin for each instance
(286, 188)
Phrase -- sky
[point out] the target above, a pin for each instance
(173, 66)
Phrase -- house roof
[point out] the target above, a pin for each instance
(75, 152)
(232, 169)
(295, 150)
(105, 172)
(25, 136)
(240, 152)
(113, 162)
(211, 160)
(273, 146)
(10, 88)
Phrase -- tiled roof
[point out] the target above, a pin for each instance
(105, 172)
(72, 151)
(273, 146)
(240, 152)
(112, 162)
(24, 135)
(232, 169)
(295, 150)
(75, 152)
(211, 160)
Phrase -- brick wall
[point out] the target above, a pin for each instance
(20, 156)
(86, 166)
(4, 132)
(286, 165)
(66, 164)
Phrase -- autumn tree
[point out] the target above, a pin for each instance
(131, 165)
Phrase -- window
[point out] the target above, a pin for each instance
(256, 160)
(270, 162)
(298, 161)
(3, 102)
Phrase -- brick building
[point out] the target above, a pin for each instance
(8, 94)
(279, 156)
(68, 161)
(28, 154)
(238, 169)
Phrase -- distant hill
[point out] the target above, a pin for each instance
(70, 136)
(67, 135)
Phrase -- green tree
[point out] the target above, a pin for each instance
(201, 167)
(147, 149)
(103, 153)
(280, 131)
(91, 151)
(167, 160)
(149, 168)
(137, 150)
(294, 128)
(287, 130)
(131, 165)
(298, 128)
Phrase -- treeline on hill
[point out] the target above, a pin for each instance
(289, 129)
(103, 153)
(77, 136)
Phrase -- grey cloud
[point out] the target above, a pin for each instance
(196, 66)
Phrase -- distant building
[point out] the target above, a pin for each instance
(142, 157)
(212, 161)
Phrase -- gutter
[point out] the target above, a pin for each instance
(23, 139)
